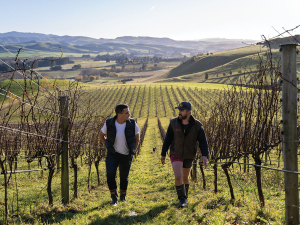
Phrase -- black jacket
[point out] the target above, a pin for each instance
(182, 139)
(112, 131)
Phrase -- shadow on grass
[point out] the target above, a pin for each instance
(52, 216)
(59, 216)
(161, 189)
(121, 218)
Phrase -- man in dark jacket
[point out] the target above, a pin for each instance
(182, 136)
(121, 137)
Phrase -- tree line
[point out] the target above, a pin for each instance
(94, 74)
(132, 59)
(45, 62)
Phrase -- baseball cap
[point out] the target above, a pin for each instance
(184, 105)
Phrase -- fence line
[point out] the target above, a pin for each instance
(250, 164)
(33, 170)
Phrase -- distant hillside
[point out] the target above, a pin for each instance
(205, 62)
(94, 48)
(221, 67)
(22, 34)
(205, 45)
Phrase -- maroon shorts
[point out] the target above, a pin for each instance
(175, 158)
(187, 163)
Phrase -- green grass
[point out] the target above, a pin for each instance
(16, 86)
(151, 195)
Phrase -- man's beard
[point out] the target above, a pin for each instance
(183, 117)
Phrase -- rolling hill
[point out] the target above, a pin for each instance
(223, 67)
(138, 43)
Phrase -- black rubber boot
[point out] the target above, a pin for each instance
(114, 197)
(123, 196)
(186, 190)
(181, 196)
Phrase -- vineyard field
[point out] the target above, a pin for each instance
(151, 193)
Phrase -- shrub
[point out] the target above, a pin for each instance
(55, 68)
(79, 78)
(113, 74)
(76, 67)
(104, 73)
(144, 66)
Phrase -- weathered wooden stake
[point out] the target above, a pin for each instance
(64, 109)
(57, 150)
(289, 117)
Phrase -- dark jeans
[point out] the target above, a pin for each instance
(113, 161)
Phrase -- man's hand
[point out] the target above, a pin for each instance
(163, 159)
(102, 137)
(204, 160)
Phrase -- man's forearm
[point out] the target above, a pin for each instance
(167, 142)
(203, 143)
(165, 147)
(137, 140)
(102, 137)
(102, 140)
(136, 143)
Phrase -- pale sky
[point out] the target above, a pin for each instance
(176, 19)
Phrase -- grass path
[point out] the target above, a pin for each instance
(151, 197)
(151, 194)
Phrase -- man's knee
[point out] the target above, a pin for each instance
(111, 175)
(178, 178)
(185, 179)
(124, 173)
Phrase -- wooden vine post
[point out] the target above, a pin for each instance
(64, 109)
(289, 131)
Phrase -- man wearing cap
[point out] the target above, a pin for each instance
(182, 136)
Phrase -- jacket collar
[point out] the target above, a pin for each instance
(128, 123)
(112, 122)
